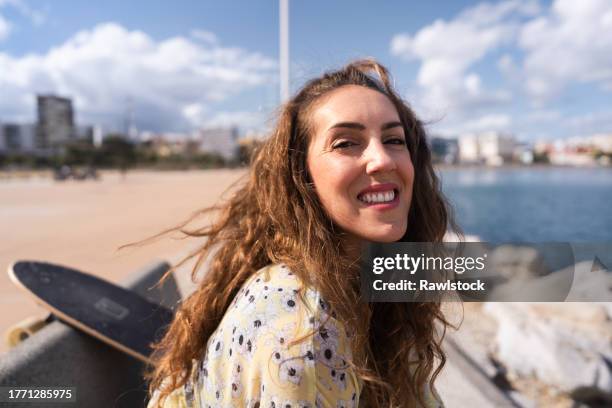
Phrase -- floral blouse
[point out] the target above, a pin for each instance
(263, 354)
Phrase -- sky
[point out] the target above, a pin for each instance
(535, 69)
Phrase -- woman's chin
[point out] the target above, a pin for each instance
(385, 235)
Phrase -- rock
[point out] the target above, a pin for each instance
(554, 287)
(591, 283)
(577, 283)
(523, 400)
(517, 262)
(550, 342)
(451, 236)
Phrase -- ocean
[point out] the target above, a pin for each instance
(539, 204)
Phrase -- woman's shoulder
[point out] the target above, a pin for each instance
(275, 346)
(276, 343)
(272, 296)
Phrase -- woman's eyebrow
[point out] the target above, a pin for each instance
(391, 125)
(349, 125)
(359, 126)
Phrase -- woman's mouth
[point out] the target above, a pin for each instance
(379, 197)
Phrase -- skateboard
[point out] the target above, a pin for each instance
(110, 313)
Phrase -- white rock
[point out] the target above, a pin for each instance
(577, 283)
(517, 262)
(534, 340)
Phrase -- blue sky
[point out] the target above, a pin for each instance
(537, 69)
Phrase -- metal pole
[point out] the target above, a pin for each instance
(284, 50)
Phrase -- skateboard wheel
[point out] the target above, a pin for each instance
(24, 329)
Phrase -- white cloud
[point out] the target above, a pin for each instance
(170, 83)
(492, 13)
(447, 49)
(508, 66)
(195, 113)
(544, 51)
(37, 17)
(593, 122)
(5, 25)
(572, 43)
(492, 122)
(5, 28)
(205, 36)
(245, 119)
(199, 115)
(543, 116)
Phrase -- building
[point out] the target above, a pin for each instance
(492, 148)
(84, 133)
(469, 149)
(222, 141)
(55, 121)
(601, 142)
(54, 128)
(168, 144)
(572, 157)
(523, 153)
(444, 150)
(496, 148)
(18, 138)
(591, 150)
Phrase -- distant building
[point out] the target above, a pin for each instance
(601, 142)
(55, 121)
(84, 133)
(223, 141)
(543, 147)
(469, 149)
(18, 138)
(492, 148)
(168, 144)
(444, 150)
(523, 153)
(496, 148)
(98, 136)
(582, 151)
(54, 128)
(567, 157)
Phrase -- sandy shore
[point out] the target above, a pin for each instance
(81, 224)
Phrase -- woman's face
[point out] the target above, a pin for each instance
(359, 163)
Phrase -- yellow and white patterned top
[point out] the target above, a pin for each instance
(263, 354)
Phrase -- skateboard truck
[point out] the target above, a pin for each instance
(18, 332)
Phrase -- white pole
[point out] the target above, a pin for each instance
(284, 50)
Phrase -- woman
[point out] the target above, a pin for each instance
(276, 320)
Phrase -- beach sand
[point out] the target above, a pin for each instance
(82, 223)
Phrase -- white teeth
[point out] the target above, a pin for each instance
(382, 197)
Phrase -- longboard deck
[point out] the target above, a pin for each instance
(110, 313)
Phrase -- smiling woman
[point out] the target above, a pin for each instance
(360, 164)
(277, 320)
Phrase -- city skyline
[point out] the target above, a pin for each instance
(534, 69)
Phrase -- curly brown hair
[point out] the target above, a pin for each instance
(276, 217)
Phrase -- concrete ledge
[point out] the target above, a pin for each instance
(464, 383)
(58, 355)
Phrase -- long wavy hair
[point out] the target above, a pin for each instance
(276, 217)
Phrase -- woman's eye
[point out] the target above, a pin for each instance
(396, 141)
(343, 144)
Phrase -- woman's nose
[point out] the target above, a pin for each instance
(378, 159)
